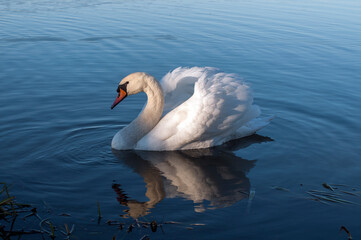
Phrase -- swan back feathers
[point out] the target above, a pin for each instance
(219, 105)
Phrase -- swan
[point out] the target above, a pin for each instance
(191, 108)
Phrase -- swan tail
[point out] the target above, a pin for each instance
(253, 126)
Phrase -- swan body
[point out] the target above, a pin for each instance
(191, 108)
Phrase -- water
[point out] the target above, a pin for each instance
(61, 61)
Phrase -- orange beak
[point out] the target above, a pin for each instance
(121, 95)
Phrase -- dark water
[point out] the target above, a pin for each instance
(61, 61)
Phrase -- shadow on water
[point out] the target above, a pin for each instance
(214, 176)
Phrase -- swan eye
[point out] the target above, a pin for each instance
(123, 87)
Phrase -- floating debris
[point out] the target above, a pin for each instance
(325, 193)
(10, 211)
(112, 222)
(329, 198)
(137, 222)
(67, 232)
(153, 226)
(65, 215)
(161, 228)
(172, 222)
(7, 201)
(99, 213)
(280, 189)
(318, 200)
(34, 212)
(130, 228)
(339, 185)
(197, 224)
(349, 193)
(145, 237)
(325, 185)
(347, 231)
(46, 205)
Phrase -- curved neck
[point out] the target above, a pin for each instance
(148, 118)
(153, 109)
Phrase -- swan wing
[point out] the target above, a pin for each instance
(178, 85)
(219, 106)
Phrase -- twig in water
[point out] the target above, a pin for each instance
(280, 189)
(68, 232)
(325, 185)
(52, 230)
(153, 226)
(130, 228)
(347, 231)
(349, 193)
(99, 213)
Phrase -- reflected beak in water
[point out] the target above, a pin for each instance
(121, 95)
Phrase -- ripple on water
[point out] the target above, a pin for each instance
(35, 39)
(87, 144)
(82, 143)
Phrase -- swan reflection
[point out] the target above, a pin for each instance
(214, 176)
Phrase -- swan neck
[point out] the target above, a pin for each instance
(128, 137)
(153, 109)
(150, 115)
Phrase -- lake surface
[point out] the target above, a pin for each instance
(61, 61)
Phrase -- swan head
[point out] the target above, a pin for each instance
(132, 84)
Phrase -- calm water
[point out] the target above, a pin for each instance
(61, 61)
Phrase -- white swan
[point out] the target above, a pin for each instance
(203, 107)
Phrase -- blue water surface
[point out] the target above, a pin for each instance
(61, 61)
